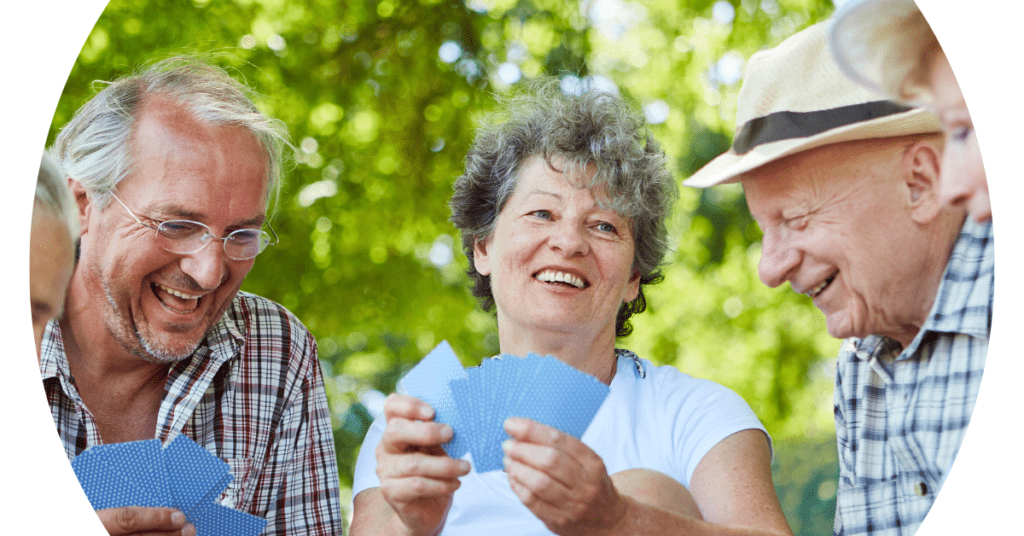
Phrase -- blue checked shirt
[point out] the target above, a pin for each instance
(901, 413)
(253, 395)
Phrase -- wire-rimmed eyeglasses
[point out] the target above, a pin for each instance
(184, 237)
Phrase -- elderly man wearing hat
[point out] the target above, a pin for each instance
(888, 46)
(845, 187)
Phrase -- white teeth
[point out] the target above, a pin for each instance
(817, 290)
(551, 276)
(181, 295)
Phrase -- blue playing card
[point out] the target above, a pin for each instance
(103, 483)
(182, 475)
(142, 462)
(430, 381)
(560, 396)
(213, 519)
(192, 473)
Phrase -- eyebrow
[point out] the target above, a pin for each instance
(178, 211)
(545, 192)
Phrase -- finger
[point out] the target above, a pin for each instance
(400, 434)
(549, 460)
(418, 464)
(407, 490)
(407, 407)
(536, 485)
(140, 520)
(531, 431)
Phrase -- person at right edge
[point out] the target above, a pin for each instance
(888, 46)
(846, 188)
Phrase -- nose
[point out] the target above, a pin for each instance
(955, 189)
(568, 237)
(778, 259)
(208, 266)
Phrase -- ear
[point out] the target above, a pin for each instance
(632, 287)
(82, 201)
(922, 168)
(481, 261)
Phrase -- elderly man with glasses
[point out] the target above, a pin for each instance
(172, 171)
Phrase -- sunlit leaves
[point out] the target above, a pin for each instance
(381, 99)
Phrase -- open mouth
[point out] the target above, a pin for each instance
(176, 300)
(814, 292)
(561, 278)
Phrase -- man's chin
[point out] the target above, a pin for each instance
(168, 347)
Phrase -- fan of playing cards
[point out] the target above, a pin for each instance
(181, 475)
(476, 401)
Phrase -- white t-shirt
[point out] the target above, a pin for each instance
(654, 417)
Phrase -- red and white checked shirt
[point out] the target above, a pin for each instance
(253, 395)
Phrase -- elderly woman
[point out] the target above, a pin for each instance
(562, 211)
(51, 257)
(888, 46)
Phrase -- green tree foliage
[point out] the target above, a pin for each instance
(380, 98)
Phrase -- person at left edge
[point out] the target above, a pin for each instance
(172, 171)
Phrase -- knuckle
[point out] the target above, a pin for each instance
(127, 519)
(547, 459)
(410, 465)
(418, 486)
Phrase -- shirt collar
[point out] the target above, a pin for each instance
(964, 301)
(222, 342)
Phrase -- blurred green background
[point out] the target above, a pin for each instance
(380, 98)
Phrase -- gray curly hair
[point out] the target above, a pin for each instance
(95, 149)
(594, 128)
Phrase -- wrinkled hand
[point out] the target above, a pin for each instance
(140, 521)
(417, 477)
(561, 480)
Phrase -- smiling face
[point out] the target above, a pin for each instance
(158, 304)
(963, 175)
(557, 261)
(840, 225)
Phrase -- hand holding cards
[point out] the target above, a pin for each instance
(180, 475)
(475, 402)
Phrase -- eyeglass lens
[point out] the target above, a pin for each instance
(184, 237)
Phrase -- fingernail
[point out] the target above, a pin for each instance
(189, 530)
(446, 432)
(426, 412)
(464, 466)
(178, 518)
(506, 461)
(509, 425)
(506, 445)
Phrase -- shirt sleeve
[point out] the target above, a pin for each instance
(305, 498)
(365, 476)
(710, 414)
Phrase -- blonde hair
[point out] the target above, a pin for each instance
(888, 49)
(53, 197)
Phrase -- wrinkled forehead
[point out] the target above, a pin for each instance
(599, 180)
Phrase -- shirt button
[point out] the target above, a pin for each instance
(921, 489)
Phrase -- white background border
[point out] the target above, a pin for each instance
(982, 40)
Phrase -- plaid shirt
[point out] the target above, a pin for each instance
(901, 413)
(252, 394)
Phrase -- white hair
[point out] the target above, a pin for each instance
(94, 147)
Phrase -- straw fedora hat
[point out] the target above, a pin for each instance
(795, 98)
